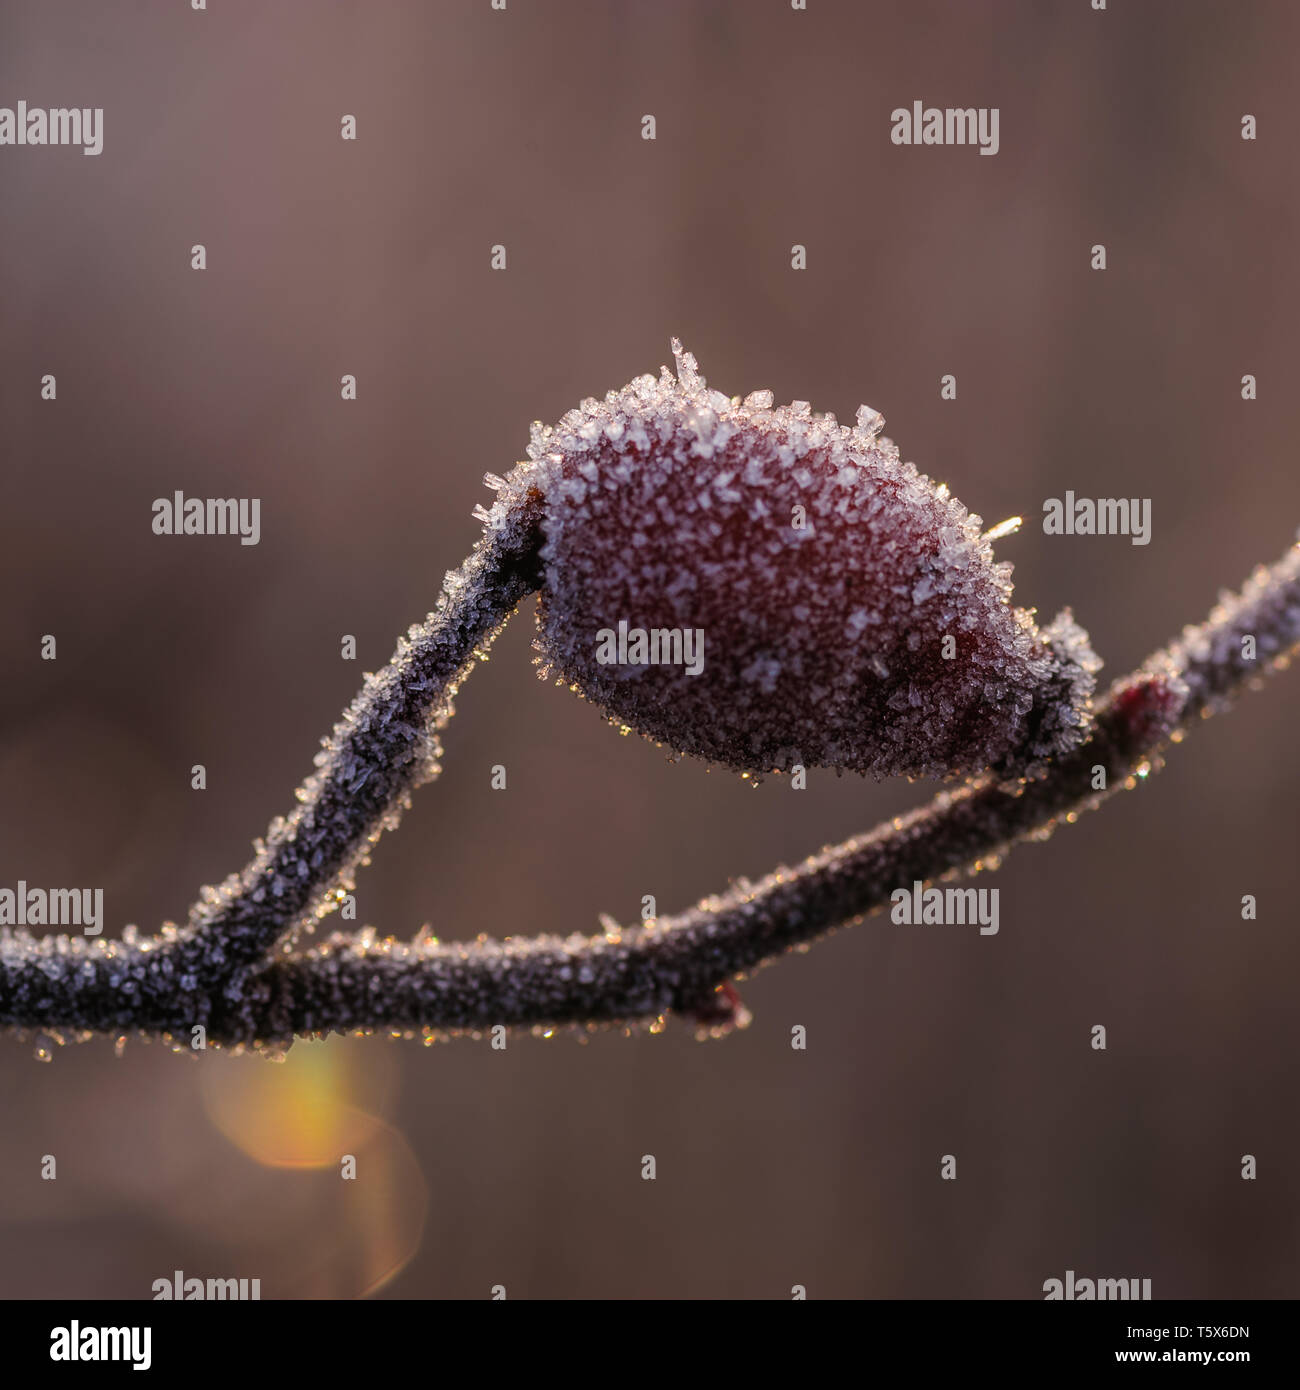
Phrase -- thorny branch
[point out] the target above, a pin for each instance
(234, 969)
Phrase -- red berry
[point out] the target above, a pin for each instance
(851, 612)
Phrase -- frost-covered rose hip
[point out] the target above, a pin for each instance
(765, 587)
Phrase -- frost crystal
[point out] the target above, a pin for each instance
(851, 612)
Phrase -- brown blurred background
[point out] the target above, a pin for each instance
(523, 128)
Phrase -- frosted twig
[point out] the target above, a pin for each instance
(385, 745)
(355, 983)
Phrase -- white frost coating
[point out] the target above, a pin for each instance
(811, 557)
